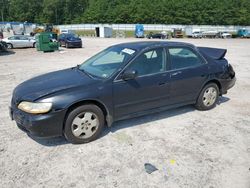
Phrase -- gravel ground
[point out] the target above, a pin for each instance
(190, 148)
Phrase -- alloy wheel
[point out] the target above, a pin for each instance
(85, 125)
(209, 96)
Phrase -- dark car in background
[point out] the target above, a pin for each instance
(122, 81)
(152, 35)
(70, 40)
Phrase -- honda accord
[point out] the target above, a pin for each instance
(122, 81)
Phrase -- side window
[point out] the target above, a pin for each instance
(183, 57)
(23, 38)
(149, 62)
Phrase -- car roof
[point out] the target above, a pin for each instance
(151, 44)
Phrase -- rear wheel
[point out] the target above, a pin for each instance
(34, 45)
(84, 124)
(208, 97)
(9, 46)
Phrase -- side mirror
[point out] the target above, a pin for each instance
(129, 75)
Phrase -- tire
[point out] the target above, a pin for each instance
(34, 45)
(208, 97)
(84, 124)
(9, 46)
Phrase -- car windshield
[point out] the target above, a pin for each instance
(72, 36)
(105, 63)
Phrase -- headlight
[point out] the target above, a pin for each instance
(34, 108)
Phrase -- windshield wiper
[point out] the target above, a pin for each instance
(84, 71)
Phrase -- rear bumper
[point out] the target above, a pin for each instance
(43, 125)
(226, 84)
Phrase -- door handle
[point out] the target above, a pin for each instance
(176, 73)
(162, 83)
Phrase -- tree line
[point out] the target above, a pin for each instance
(200, 12)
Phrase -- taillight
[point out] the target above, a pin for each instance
(231, 71)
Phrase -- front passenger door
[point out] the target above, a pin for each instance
(24, 41)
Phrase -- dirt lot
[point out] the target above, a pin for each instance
(190, 148)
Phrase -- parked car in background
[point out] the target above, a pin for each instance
(224, 35)
(162, 35)
(243, 33)
(66, 31)
(197, 34)
(70, 40)
(122, 81)
(20, 41)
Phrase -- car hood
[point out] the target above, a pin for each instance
(73, 39)
(50, 83)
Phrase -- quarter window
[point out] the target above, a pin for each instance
(183, 57)
(149, 62)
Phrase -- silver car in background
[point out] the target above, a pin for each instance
(20, 41)
(197, 34)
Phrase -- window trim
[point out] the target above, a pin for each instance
(165, 57)
(202, 59)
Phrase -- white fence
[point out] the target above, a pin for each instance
(154, 27)
(27, 28)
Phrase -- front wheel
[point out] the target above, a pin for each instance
(9, 46)
(84, 124)
(208, 97)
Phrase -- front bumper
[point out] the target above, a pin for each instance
(74, 44)
(42, 125)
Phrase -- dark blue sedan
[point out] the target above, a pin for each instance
(70, 40)
(122, 81)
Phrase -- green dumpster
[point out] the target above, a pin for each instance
(46, 42)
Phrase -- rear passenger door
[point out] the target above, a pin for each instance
(24, 41)
(188, 72)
